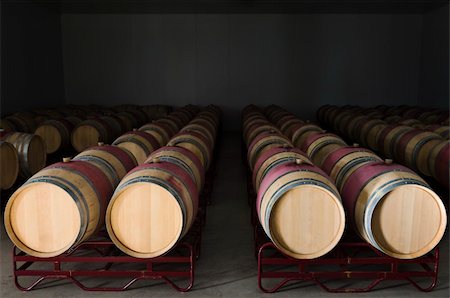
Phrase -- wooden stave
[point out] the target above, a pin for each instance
(291, 172)
(173, 177)
(143, 144)
(30, 148)
(9, 160)
(357, 196)
(91, 199)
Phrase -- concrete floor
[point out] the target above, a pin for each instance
(227, 266)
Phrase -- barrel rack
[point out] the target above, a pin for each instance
(353, 261)
(100, 259)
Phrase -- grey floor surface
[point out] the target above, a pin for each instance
(227, 266)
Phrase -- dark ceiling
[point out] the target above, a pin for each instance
(236, 6)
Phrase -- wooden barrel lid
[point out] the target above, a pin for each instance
(146, 220)
(36, 154)
(85, 136)
(307, 222)
(30, 219)
(51, 136)
(409, 221)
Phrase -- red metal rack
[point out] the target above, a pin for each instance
(349, 262)
(101, 259)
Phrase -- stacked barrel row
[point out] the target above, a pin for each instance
(387, 204)
(156, 203)
(416, 116)
(107, 127)
(27, 138)
(297, 204)
(28, 121)
(65, 203)
(425, 149)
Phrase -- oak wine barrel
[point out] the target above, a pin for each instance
(31, 151)
(158, 130)
(394, 209)
(300, 210)
(58, 208)
(196, 143)
(139, 143)
(152, 209)
(184, 158)
(114, 161)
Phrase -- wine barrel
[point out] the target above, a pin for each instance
(139, 143)
(196, 143)
(302, 131)
(19, 123)
(394, 119)
(284, 119)
(300, 210)
(251, 124)
(340, 163)
(287, 127)
(128, 120)
(409, 145)
(159, 131)
(264, 142)
(114, 161)
(31, 151)
(184, 158)
(388, 138)
(321, 113)
(318, 145)
(257, 129)
(58, 208)
(56, 133)
(442, 130)
(394, 209)
(152, 209)
(171, 126)
(204, 131)
(207, 124)
(9, 169)
(90, 132)
(412, 122)
(439, 163)
(351, 131)
(274, 157)
(369, 133)
(182, 117)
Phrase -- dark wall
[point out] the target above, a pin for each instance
(32, 69)
(297, 61)
(434, 87)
